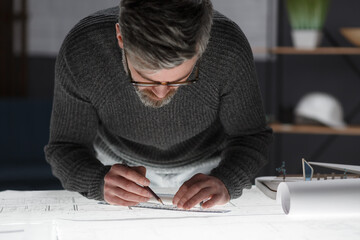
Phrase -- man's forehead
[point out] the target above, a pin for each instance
(174, 74)
(154, 77)
(146, 72)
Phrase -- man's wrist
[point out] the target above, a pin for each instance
(234, 183)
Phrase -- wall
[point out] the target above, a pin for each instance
(50, 20)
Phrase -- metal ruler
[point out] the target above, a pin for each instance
(174, 208)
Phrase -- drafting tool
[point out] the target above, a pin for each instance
(174, 208)
(268, 185)
(154, 194)
(341, 167)
(308, 171)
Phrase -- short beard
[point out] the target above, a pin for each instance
(147, 97)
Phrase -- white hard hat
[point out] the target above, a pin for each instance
(321, 107)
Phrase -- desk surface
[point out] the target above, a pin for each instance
(64, 215)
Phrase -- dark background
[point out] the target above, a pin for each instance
(24, 120)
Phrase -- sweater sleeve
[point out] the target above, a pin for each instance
(243, 118)
(73, 128)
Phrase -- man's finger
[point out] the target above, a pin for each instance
(115, 181)
(128, 196)
(185, 187)
(131, 187)
(180, 193)
(192, 191)
(212, 202)
(140, 169)
(204, 194)
(131, 174)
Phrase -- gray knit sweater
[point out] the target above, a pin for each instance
(96, 107)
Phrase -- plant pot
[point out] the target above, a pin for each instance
(308, 39)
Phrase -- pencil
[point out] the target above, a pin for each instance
(154, 194)
(149, 189)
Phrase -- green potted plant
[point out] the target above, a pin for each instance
(307, 18)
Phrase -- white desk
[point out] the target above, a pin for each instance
(63, 215)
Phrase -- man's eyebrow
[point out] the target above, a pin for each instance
(158, 81)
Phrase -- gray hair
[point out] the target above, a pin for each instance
(162, 34)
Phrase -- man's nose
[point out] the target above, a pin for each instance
(161, 91)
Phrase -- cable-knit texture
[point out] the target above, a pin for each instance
(96, 108)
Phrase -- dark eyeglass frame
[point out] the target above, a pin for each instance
(155, 83)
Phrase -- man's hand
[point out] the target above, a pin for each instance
(200, 188)
(122, 185)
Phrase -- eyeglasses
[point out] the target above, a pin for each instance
(155, 83)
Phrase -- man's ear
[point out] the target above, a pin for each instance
(118, 36)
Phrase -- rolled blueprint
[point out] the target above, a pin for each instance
(325, 197)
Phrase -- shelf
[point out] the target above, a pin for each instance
(307, 129)
(316, 51)
(321, 50)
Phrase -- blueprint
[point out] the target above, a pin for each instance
(47, 205)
